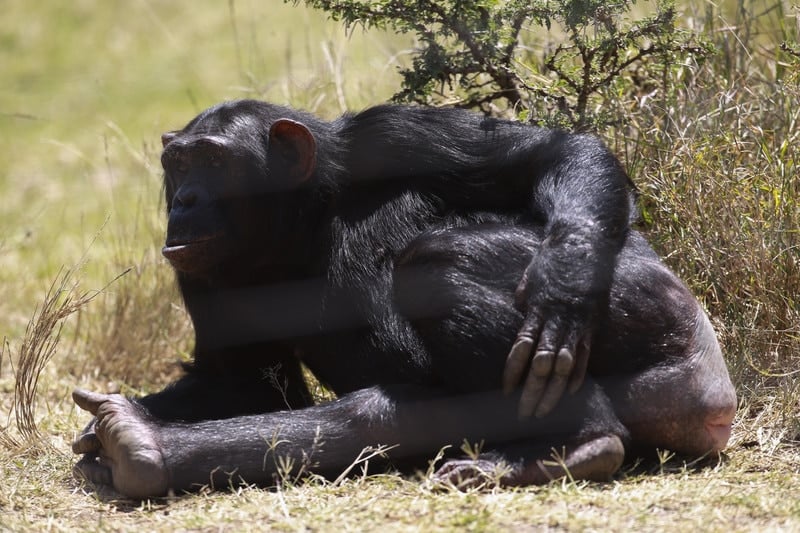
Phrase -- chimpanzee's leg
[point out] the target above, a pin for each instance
(142, 457)
(456, 286)
(654, 351)
(657, 356)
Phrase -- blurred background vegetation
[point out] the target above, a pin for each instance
(87, 87)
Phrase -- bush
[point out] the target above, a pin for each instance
(478, 54)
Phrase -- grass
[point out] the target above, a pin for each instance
(86, 300)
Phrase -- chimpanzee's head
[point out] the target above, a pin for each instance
(231, 178)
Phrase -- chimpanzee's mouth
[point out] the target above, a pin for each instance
(173, 249)
(177, 248)
(178, 243)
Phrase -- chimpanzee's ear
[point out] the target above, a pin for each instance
(167, 138)
(296, 146)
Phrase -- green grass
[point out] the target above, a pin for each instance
(88, 87)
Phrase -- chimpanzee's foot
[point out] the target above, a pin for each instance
(123, 450)
(466, 474)
(596, 460)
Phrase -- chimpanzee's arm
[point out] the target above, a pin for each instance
(236, 355)
(571, 184)
(584, 199)
(212, 393)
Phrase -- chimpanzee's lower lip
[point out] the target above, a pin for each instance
(176, 249)
(176, 244)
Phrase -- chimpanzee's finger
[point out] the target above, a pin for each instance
(581, 363)
(88, 401)
(541, 370)
(519, 357)
(522, 292)
(562, 367)
(532, 391)
(516, 363)
(89, 469)
(86, 443)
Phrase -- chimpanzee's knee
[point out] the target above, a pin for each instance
(660, 361)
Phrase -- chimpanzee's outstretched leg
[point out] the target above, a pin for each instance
(144, 457)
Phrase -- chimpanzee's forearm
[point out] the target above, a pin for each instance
(584, 185)
(208, 394)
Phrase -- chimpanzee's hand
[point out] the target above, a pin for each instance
(553, 343)
(119, 447)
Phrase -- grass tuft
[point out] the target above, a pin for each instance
(38, 347)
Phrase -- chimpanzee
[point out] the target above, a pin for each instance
(448, 276)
